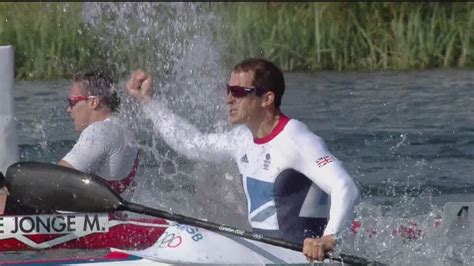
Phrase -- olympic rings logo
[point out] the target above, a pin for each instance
(169, 240)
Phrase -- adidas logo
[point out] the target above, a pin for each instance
(244, 159)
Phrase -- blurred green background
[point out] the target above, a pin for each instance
(51, 40)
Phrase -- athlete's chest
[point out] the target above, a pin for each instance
(265, 161)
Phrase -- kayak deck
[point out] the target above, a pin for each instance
(136, 233)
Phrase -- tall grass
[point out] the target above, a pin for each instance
(51, 41)
(48, 37)
(355, 35)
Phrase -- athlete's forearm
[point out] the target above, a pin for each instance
(184, 137)
(344, 196)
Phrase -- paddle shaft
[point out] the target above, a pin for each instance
(136, 208)
(210, 226)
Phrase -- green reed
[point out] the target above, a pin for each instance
(48, 38)
(52, 42)
(364, 36)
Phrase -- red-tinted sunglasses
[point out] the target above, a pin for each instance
(239, 91)
(73, 100)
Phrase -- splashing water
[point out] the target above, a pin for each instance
(173, 42)
(428, 239)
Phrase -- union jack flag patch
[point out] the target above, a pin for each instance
(324, 160)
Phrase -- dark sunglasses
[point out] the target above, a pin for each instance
(239, 91)
(73, 100)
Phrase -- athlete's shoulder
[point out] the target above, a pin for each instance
(100, 125)
(304, 138)
(301, 130)
(97, 129)
(110, 129)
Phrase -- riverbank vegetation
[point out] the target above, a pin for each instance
(51, 40)
(361, 36)
(47, 38)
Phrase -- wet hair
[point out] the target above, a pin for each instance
(99, 83)
(267, 77)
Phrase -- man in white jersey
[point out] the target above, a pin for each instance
(296, 189)
(105, 147)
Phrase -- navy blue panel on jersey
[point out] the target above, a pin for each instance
(290, 190)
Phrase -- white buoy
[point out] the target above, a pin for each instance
(8, 136)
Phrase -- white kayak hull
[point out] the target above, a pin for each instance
(188, 244)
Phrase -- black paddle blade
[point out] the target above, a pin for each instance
(2, 180)
(49, 187)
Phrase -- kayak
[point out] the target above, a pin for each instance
(178, 244)
(189, 244)
(98, 231)
(78, 231)
(60, 257)
(116, 257)
(183, 244)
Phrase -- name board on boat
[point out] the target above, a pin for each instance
(54, 224)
